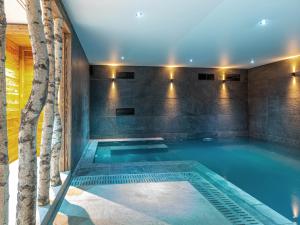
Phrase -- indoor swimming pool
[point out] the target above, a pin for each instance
(268, 172)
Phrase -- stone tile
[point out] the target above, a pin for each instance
(162, 108)
(144, 203)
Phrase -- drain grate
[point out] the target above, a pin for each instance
(129, 178)
(231, 210)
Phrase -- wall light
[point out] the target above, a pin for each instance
(113, 78)
(171, 77)
(223, 77)
(296, 73)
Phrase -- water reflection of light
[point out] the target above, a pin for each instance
(295, 207)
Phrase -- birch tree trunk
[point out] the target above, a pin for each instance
(4, 170)
(45, 152)
(57, 130)
(26, 206)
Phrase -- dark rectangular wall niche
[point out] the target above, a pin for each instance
(125, 111)
(233, 77)
(184, 109)
(206, 76)
(125, 75)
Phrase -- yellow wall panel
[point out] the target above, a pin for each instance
(19, 76)
(13, 97)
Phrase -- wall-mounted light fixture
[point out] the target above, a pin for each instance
(223, 77)
(113, 78)
(296, 73)
(171, 77)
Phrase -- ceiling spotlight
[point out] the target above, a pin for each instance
(252, 61)
(263, 22)
(139, 14)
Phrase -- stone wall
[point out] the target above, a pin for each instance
(274, 102)
(186, 108)
(80, 101)
(80, 92)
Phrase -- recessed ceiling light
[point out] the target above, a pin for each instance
(252, 61)
(263, 22)
(191, 60)
(139, 14)
(122, 58)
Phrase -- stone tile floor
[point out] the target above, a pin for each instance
(179, 193)
(143, 203)
(185, 198)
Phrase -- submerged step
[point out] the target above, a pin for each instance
(133, 147)
(130, 139)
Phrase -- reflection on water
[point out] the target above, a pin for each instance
(295, 207)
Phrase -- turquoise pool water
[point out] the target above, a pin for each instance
(259, 168)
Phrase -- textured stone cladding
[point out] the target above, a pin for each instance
(274, 102)
(184, 108)
(80, 101)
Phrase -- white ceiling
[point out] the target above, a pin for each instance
(214, 33)
(15, 13)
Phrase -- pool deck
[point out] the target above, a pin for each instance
(173, 192)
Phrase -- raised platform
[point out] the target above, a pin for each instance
(128, 139)
(133, 147)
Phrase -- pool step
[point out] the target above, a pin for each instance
(129, 139)
(134, 147)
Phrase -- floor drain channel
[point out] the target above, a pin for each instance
(232, 211)
(128, 178)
